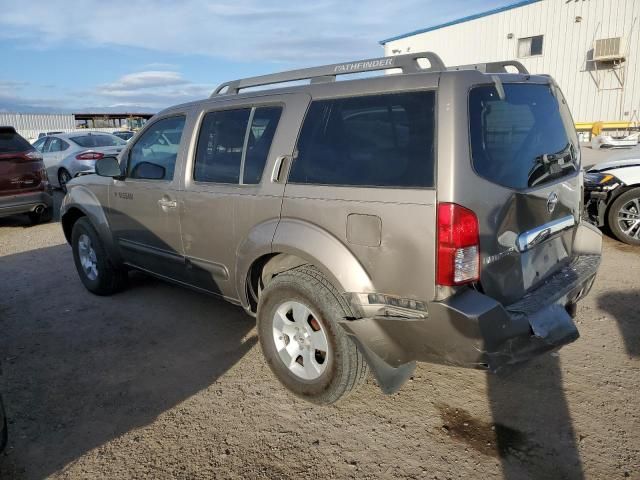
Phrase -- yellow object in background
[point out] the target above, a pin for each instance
(596, 128)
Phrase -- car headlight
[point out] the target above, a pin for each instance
(601, 180)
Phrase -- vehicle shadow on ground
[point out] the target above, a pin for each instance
(533, 428)
(617, 305)
(80, 370)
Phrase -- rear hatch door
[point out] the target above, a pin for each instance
(20, 165)
(526, 158)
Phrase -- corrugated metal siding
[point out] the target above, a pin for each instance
(566, 44)
(29, 125)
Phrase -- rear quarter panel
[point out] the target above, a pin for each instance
(389, 232)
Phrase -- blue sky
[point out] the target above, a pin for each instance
(132, 55)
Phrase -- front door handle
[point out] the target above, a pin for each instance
(166, 203)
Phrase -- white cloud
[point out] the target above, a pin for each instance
(279, 31)
(148, 79)
(297, 33)
(152, 89)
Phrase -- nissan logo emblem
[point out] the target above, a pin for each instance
(551, 202)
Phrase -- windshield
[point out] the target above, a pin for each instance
(91, 141)
(11, 142)
(521, 140)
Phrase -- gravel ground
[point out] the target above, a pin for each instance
(161, 382)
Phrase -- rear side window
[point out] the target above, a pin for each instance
(523, 140)
(92, 141)
(231, 151)
(56, 145)
(11, 142)
(376, 141)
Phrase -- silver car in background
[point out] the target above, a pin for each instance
(68, 154)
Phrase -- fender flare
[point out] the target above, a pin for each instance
(84, 200)
(307, 241)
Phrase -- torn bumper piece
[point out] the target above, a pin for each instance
(473, 330)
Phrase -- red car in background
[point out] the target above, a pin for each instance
(24, 185)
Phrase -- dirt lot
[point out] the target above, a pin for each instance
(161, 382)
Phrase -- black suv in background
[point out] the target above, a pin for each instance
(24, 185)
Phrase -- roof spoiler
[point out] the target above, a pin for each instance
(408, 63)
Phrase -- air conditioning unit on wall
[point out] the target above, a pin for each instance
(608, 49)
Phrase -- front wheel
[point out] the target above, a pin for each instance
(624, 217)
(96, 270)
(305, 347)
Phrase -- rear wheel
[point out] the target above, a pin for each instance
(96, 270)
(63, 178)
(312, 356)
(624, 217)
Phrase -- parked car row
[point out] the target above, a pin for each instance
(68, 154)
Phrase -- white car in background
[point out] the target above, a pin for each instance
(612, 195)
(68, 154)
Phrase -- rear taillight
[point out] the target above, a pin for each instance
(89, 156)
(458, 259)
(34, 155)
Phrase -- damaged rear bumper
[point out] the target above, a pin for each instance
(473, 330)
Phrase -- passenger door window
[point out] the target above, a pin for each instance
(55, 145)
(230, 152)
(371, 141)
(263, 128)
(153, 156)
(220, 145)
(40, 144)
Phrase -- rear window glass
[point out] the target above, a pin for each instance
(92, 141)
(124, 135)
(523, 140)
(379, 140)
(11, 142)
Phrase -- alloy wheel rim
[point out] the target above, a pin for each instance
(87, 256)
(629, 218)
(300, 340)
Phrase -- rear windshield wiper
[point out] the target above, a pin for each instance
(550, 164)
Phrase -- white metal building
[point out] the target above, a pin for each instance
(30, 125)
(590, 47)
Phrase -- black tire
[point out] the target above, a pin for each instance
(346, 368)
(43, 217)
(612, 218)
(109, 278)
(63, 177)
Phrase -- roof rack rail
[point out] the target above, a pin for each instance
(493, 67)
(327, 73)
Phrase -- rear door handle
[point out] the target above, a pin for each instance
(279, 168)
(165, 203)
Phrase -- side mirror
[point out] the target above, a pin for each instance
(108, 167)
(148, 171)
